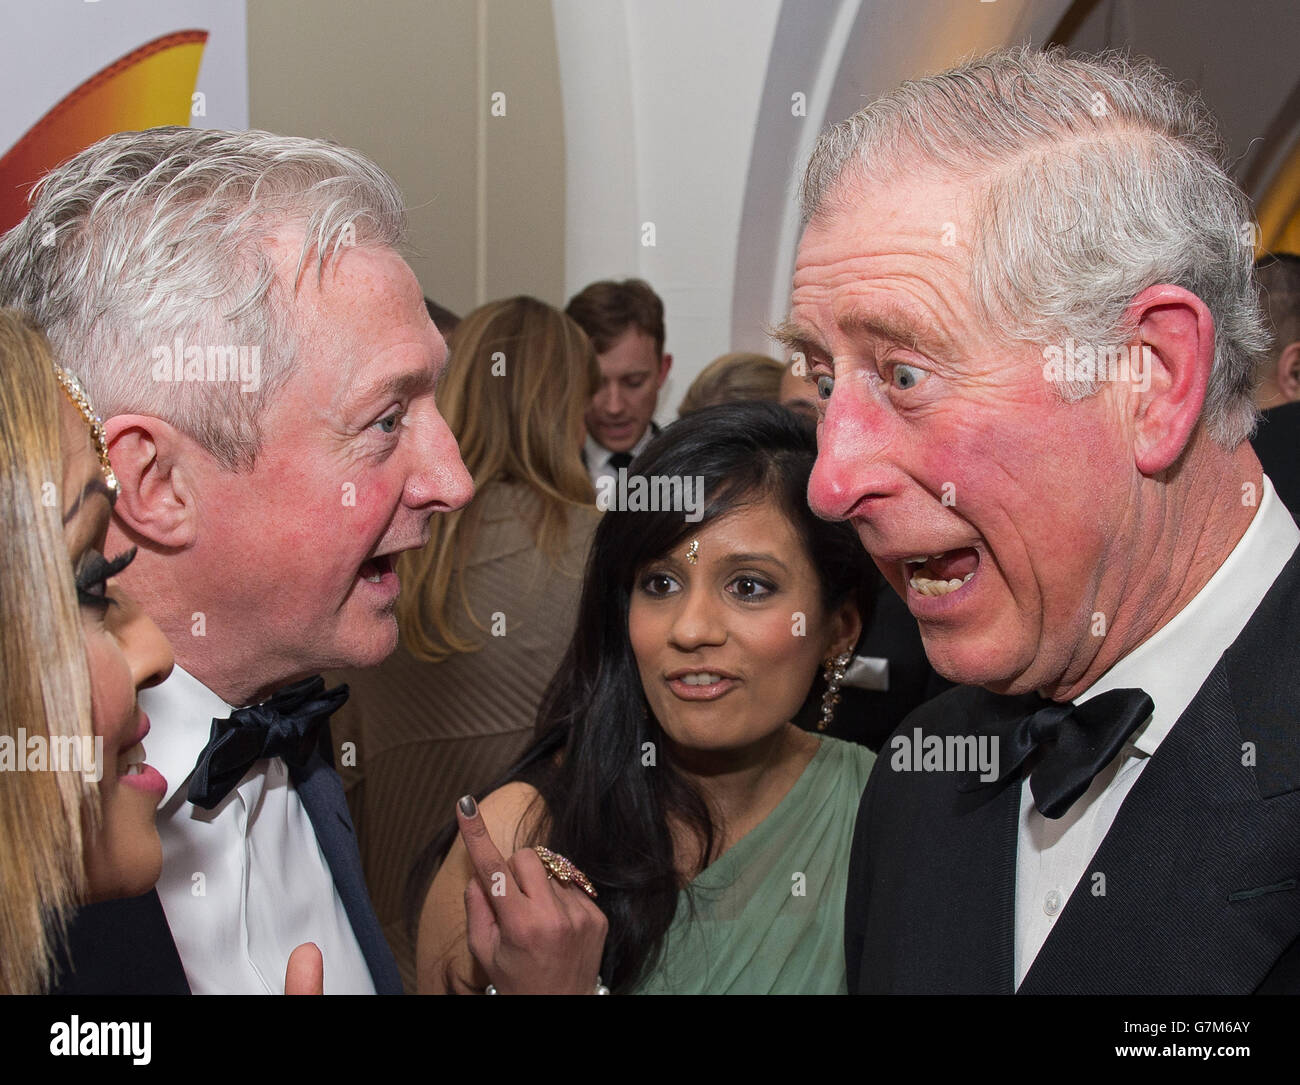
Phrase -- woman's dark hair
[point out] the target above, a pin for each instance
(603, 808)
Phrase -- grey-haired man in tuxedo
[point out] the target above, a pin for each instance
(1025, 294)
(265, 365)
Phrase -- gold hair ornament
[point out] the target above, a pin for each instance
(77, 395)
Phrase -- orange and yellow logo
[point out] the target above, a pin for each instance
(150, 86)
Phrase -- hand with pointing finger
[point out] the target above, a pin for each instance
(530, 932)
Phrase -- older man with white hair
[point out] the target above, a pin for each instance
(1025, 294)
(235, 304)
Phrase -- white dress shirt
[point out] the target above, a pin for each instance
(238, 901)
(597, 455)
(1053, 856)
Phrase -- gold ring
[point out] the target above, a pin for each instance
(559, 868)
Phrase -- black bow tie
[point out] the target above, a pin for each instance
(1076, 742)
(619, 459)
(285, 726)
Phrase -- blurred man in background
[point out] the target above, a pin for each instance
(625, 322)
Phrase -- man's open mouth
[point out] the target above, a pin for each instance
(374, 569)
(939, 574)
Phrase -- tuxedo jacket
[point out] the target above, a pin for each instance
(126, 946)
(1201, 866)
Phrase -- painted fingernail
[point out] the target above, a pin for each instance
(468, 806)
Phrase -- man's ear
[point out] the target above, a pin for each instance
(664, 365)
(1287, 373)
(1175, 332)
(154, 499)
(846, 628)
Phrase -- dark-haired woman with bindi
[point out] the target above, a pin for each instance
(667, 769)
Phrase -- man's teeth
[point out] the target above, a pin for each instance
(701, 679)
(925, 586)
(374, 579)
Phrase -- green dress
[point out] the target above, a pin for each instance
(769, 914)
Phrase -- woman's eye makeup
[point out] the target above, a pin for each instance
(93, 573)
(657, 583)
(746, 587)
(751, 588)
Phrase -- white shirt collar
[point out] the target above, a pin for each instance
(1174, 663)
(598, 455)
(181, 711)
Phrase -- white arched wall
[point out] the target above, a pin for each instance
(680, 114)
(843, 54)
(660, 108)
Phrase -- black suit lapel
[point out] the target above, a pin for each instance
(1202, 864)
(930, 906)
(971, 928)
(981, 855)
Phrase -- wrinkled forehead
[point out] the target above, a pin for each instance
(931, 214)
(894, 256)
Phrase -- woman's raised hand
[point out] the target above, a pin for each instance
(531, 933)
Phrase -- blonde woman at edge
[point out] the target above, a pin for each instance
(78, 824)
(486, 607)
(77, 815)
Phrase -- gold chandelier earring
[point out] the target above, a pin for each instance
(833, 673)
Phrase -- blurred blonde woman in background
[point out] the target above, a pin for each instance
(486, 607)
(76, 817)
(739, 377)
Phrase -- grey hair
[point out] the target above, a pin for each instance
(1094, 177)
(149, 237)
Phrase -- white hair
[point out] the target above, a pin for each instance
(148, 237)
(1093, 178)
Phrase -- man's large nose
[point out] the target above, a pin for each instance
(614, 399)
(441, 478)
(852, 445)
